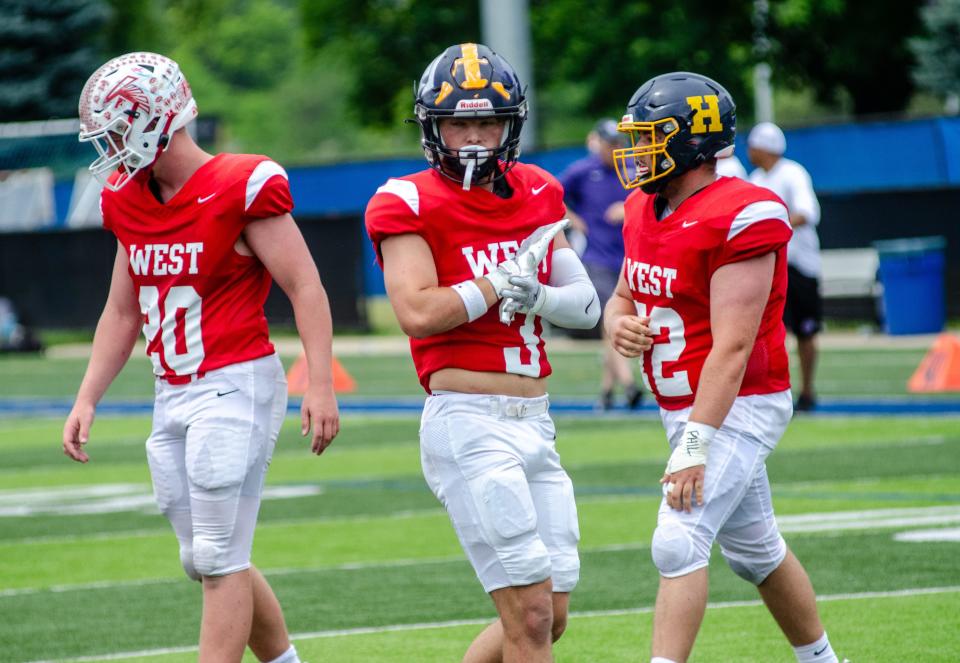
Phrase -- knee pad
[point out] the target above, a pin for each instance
(213, 558)
(675, 552)
(207, 556)
(755, 562)
(186, 560)
(223, 535)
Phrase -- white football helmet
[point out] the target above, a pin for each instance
(129, 109)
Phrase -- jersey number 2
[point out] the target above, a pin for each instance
(677, 384)
(179, 328)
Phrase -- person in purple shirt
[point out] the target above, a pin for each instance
(594, 198)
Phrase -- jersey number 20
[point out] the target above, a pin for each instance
(179, 328)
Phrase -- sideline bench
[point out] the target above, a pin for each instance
(848, 283)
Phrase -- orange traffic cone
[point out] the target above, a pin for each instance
(940, 369)
(298, 378)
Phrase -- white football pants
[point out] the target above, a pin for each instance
(493, 463)
(211, 443)
(737, 507)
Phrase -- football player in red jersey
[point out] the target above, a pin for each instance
(704, 276)
(473, 264)
(198, 239)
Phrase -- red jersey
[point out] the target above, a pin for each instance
(202, 301)
(668, 266)
(469, 234)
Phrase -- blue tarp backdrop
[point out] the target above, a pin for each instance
(843, 160)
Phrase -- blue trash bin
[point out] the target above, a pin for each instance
(912, 274)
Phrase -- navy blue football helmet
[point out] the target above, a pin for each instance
(678, 120)
(470, 81)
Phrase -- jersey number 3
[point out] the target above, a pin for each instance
(179, 328)
(677, 384)
(532, 343)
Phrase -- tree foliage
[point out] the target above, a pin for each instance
(856, 48)
(48, 50)
(613, 46)
(255, 48)
(938, 53)
(590, 57)
(135, 25)
(389, 42)
(609, 47)
(319, 79)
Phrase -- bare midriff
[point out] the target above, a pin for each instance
(482, 382)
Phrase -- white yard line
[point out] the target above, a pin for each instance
(345, 346)
(833, 522)
(282, 571)
(422, 626)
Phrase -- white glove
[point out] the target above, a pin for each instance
(527, 290)
(534, 248)
(500, 277)
(527, 294)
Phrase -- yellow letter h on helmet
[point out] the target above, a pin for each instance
(706, 110)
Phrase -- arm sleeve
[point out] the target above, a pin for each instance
(570, 300)
(267, 192)
(759, 228)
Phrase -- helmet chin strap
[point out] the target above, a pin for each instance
(471, 156)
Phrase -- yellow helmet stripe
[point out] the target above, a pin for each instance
(445, 90)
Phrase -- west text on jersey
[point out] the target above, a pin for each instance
(650, 279)
(485, 258)
(164, 259)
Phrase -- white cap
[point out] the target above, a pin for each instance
(767, 137)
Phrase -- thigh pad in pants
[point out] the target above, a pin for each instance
(474, 463)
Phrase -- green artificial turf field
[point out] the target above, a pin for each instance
(368, 569)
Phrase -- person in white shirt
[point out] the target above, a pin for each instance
(731, 167)
(791, 181)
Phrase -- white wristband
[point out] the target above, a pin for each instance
(472, 298)
(692, 448)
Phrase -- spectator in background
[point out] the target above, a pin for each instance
(594, 198)
(731, 167)
(803, 313)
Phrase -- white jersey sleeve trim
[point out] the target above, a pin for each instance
(755, 212)
(258, 178)
(406, 191)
